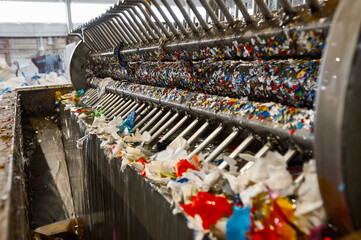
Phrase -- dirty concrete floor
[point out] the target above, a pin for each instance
(7, 116)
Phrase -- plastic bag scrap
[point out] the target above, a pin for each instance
(160, 172)
(117, 147)
(210, 179)
(262, 170)
(177, 150)
(80, 142)
(98, 125)
(137, 137)
(127, 126)
(112, 127)
(310, 212)
(103, 84)
(183, 188)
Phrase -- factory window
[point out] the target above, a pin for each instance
(83, 12)
(34, 12)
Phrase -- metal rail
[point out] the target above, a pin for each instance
(134, 23)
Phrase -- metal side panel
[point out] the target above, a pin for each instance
(338, 136)
(77, 71)
(115, 204)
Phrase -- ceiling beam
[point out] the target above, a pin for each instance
(73, 1)
(33, 29)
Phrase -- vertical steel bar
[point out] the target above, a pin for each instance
(131, 110)
(91, 94)
(137, 27)
(243, 10)
(107, 103)
(138, 36)
(169, 122)
(174, 129)
(160, 24)
(101, 36)
(123, 107)
(225, 11)
(96, 104)
(130, 36)
(206, 141)
(264, 9)
(121, 114)
(211, 13)
(87, 92)
(98, 40)
(286, 5)
(110, 33)
(169, 23)
(94, 99)
(198, 15)
(180, 25)
(198, 133)
(259, 154)
(289, 155)
(140, 108)
(145, 23)
(149, 115)
(151, 121)
(102, 99)
(236, 151)
(110, 104)
(113, 106)
(89, 42)
(142, 114)
(186, 16)
(116, 31)
(107, 34)
(116, 108)
(188, 129)
(222, 146)
(160, 122)
(122, 33)
(299, 179)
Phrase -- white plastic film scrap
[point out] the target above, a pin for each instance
(80, 142)
(102, 86)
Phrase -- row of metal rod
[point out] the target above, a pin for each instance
(134, 22)
(156, 120)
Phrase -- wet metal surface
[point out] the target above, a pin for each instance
(48, 179)
(47, 192)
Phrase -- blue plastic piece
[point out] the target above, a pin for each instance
(6, 90)
(128, 123)
(239, 223)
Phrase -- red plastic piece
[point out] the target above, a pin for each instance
(182, 166)
(209, 207)
(264, 234)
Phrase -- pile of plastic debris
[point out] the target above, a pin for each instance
(261, 203)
